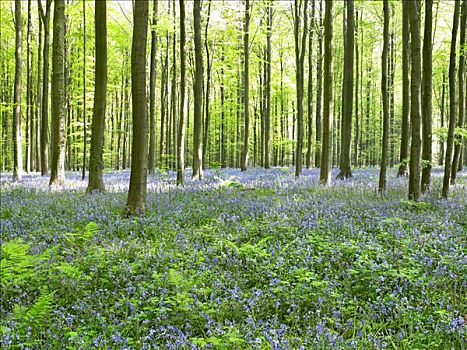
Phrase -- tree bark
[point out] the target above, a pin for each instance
(325, 168)
(347, 96)
(246, 86)
(152, 92)
(45, 17)
(138, 179)
(85, 143)
(452, 103)
(319, 89)
(405, 127)
(198, 94)
(300, 48)
(457, 161)
(427, 98)
(385, 98)
(413, 10)
(181, 127)
(57, 174)
(17, 115)
(96, 163)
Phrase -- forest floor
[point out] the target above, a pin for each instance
(236, 261)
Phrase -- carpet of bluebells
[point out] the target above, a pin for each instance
(254, 260)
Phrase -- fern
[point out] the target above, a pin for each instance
(16, 263)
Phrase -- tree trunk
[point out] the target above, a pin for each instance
(357, 102)
(452, 103)
(325, 168)
(300, 48)
(96, 163)
(45, 17)
(267, 100)
(29, 114)
(207, 116)
(181, 127)
(405, 127)
(139, 151)
(57, 175)
(85, 143)
(461, 78)
(426, 98)
(17, 138)
(347, 96)
(385, 98)
(152, 92)
(441, 139)
(413, 11)
(38, 99)
(319, 91)
(246, 85)
(198, 94)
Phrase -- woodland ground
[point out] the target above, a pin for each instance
(239, 260)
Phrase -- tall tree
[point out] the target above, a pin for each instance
(207, 114)
(347, 96)
(85, 143)
(17, 137)
(45, 18)
(152, 92)
(427, 82)
(96, 162)
(413, 11)
(267, 89)
(325, 167)
(29, 103)
(385, 98)
(198, 94)
(405, 127)
(181, 126)
(246, 85)
(57, 174)
(310, 88)
(319, 88)
(452, 103)
(300, 10)
(139, 146)
(457, 160)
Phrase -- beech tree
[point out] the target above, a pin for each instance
(347, 96)
(181, 127)
(325, 166)
(139, 148)
(57, 174)
(17, 115)
(96, 164)
(452, 103)
(246, 85)
(198, 94)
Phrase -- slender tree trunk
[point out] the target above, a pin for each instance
(325, 168)
(85, 143)
(45, 17)
(413, 10)
(96, 163)
(223, 120)
(38, 99)
(300, 48)
(267, 109)
(173, 95)
(198, 94)
(405, 127)
(457, 160)
(319, 89)
(426, 98)
(357, 102)
(139, 149)
(207, 116)
(29, 123)
(385, 98)
(57, 175)
(152, 92)
(181, 127)
(347, 96)
(17, 115)
(441, 139)
(452, 103)
(310, 88)
(246, 85)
